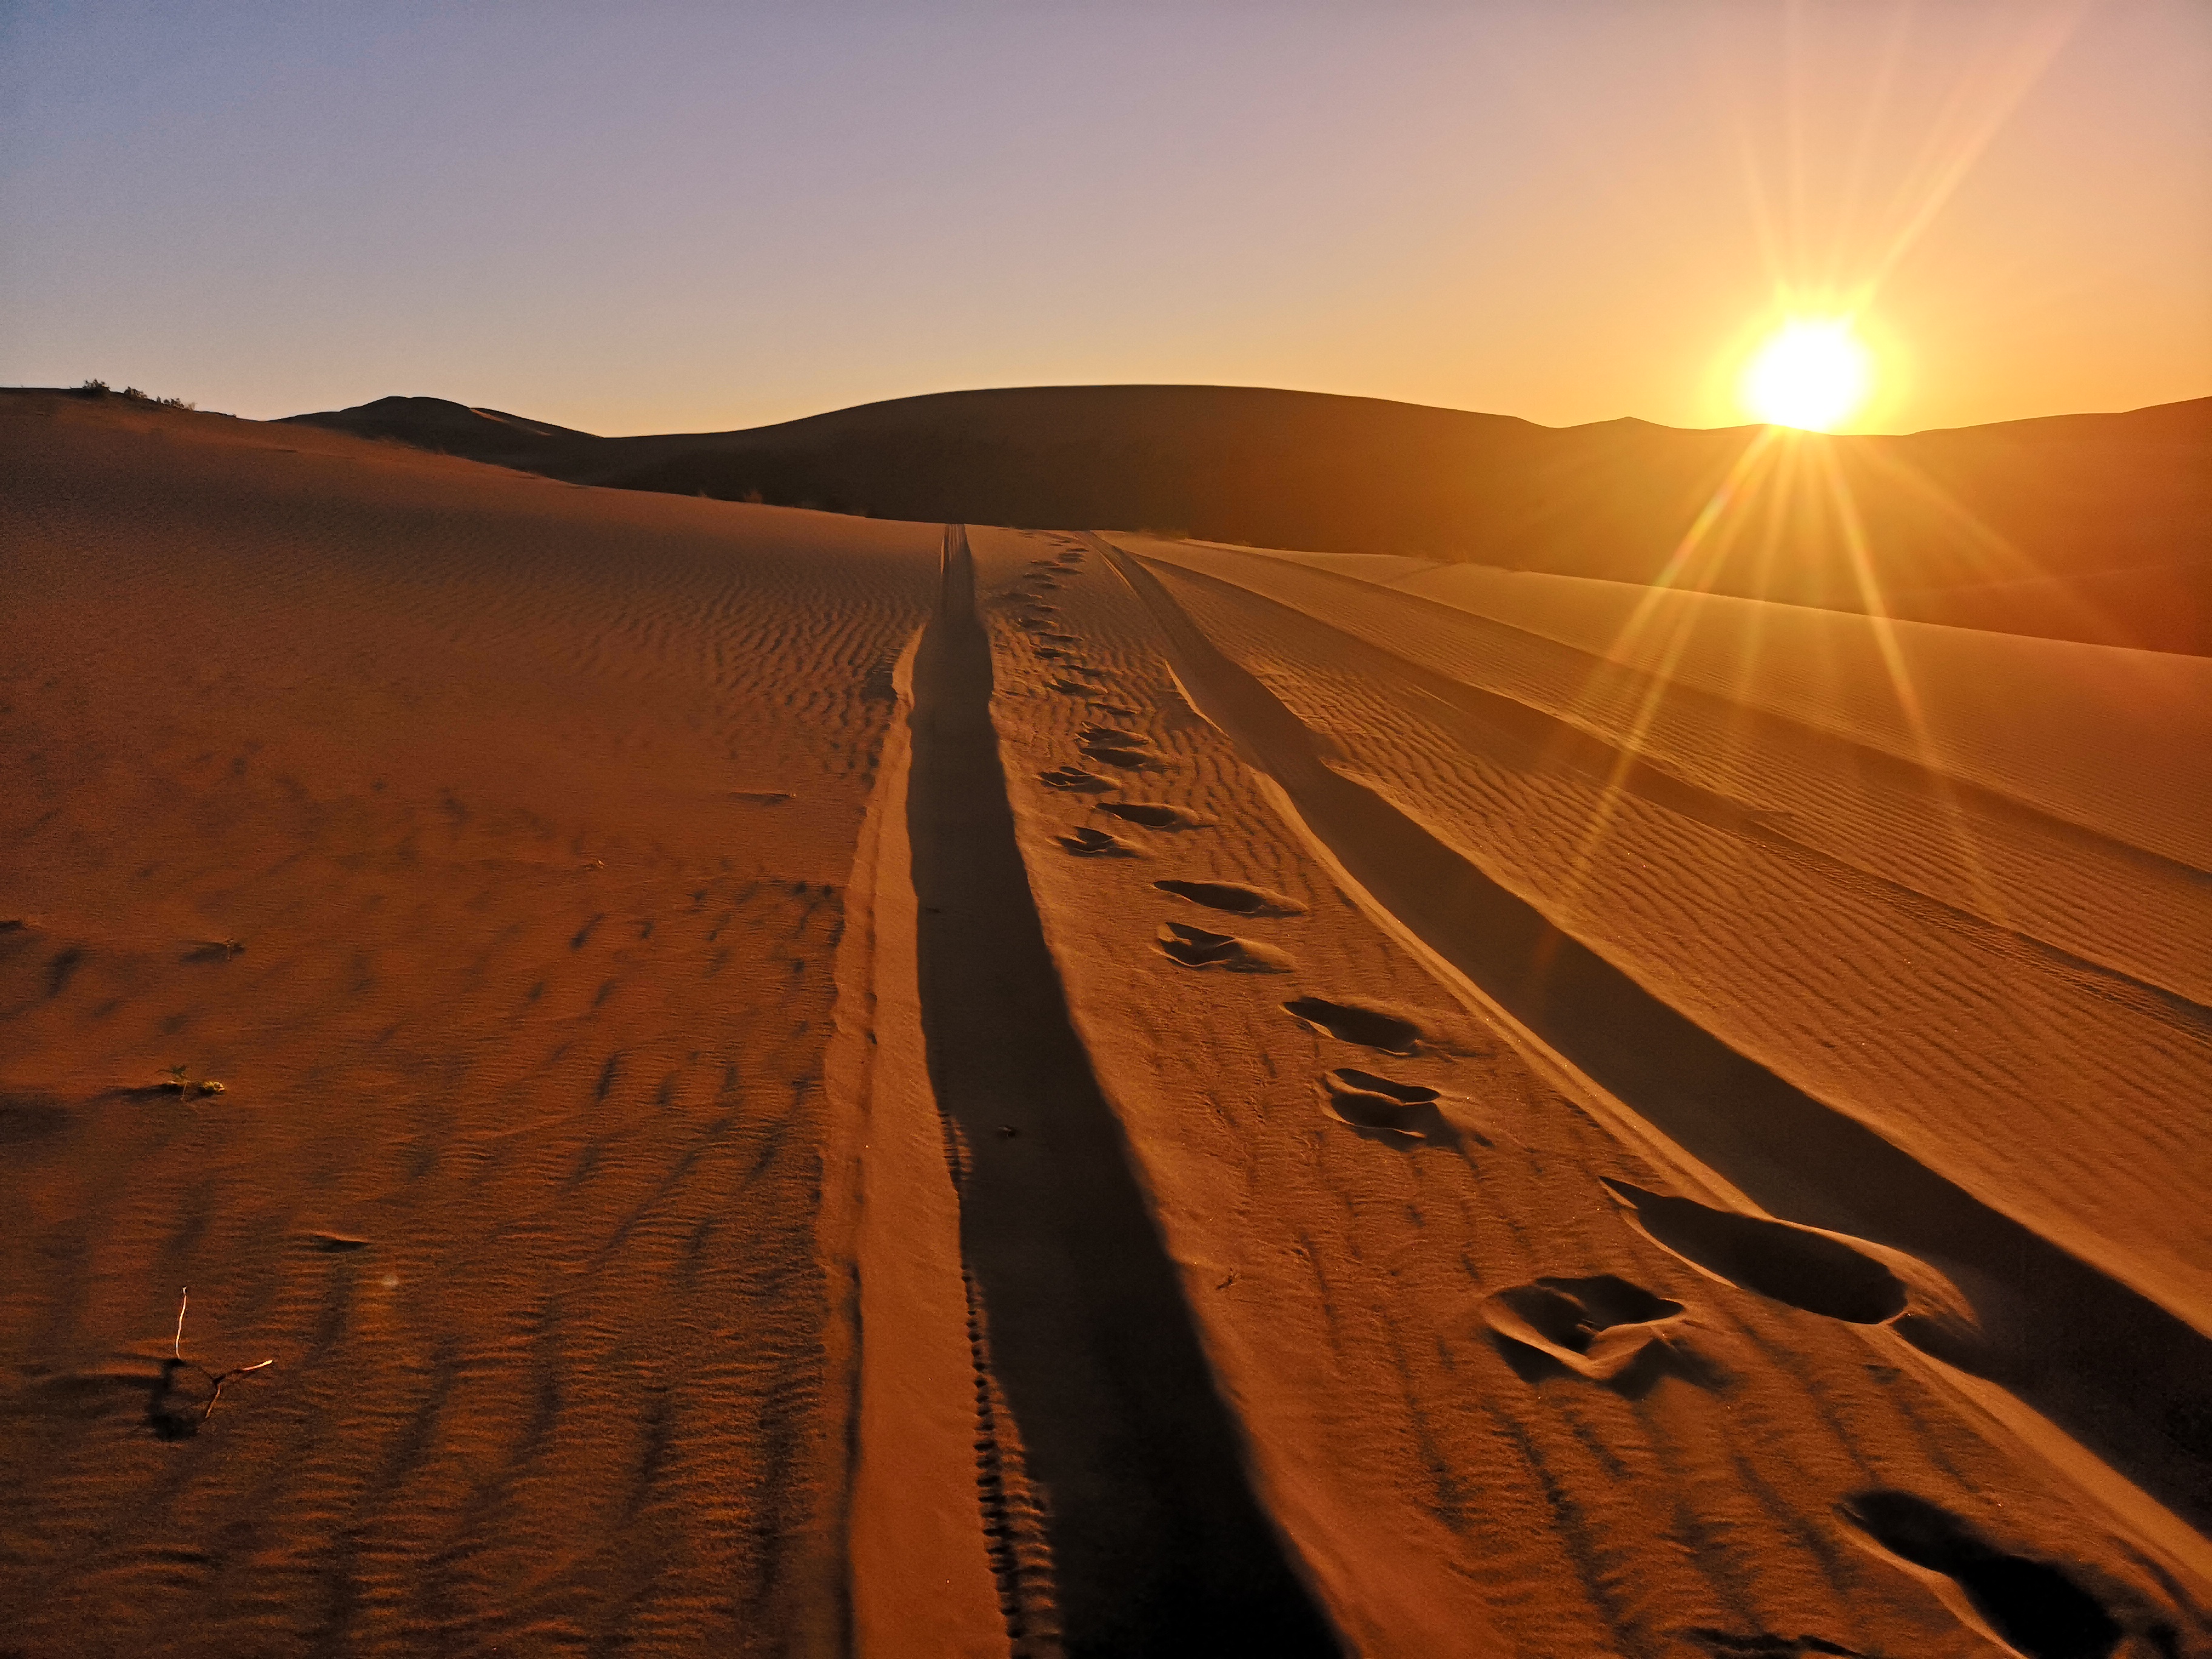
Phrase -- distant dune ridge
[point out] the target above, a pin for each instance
(2093, 527)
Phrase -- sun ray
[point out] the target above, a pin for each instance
(1933, 765)
(1629, 741)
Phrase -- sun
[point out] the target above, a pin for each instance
(1813, 373)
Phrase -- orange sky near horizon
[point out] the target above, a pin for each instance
(694, 218)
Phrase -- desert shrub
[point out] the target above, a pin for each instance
(94, 388)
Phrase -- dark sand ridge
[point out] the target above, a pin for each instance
(655, 914)
(2078, 527)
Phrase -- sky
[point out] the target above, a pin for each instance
(666, 217)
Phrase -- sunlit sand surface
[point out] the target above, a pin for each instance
(797, 1083)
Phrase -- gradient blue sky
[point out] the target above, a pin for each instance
(656, 218)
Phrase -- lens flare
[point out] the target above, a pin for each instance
(1813, 373)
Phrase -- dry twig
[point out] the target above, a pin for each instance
(218, 1379)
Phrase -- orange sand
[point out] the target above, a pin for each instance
(809, 1084)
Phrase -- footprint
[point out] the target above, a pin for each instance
(1052, 653)
(1823, 1273)
(1370, 1025)
(1155, 815)
(1097, 843)
(1071, 777)
(1072, 688)
(1233, 896)
(1082, 672)
(1129, 760)
(1407, 1111)
(760, 797)
(1600, 1327)
(1194, 947)
(1114, 736)
(1764, 1644)
(2028, 1605)
(1116, 710)
(1054, 637)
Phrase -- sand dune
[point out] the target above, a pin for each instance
(2089, 527)
(535, 1000)
(805, 1084)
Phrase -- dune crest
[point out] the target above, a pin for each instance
(2077, 527)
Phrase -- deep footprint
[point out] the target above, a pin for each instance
(2032, 1607)
(1129, 760)
(1154, 815)
(1097, 843)
(1600, 1327)
(1234, 897)
(1821, 1273)
(1369, 1024)
(1071, 777)
(1114, 736)
(1195, 947)
(1763, 1644)
(1365, 1101)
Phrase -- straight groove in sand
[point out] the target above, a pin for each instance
(1158, 1546)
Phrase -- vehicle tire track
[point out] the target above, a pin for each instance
(2114, 1369)
(1089, 1358)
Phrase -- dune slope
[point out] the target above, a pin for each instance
(2094, 527)
(488, 839)
(806, 1085)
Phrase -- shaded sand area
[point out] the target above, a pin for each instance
(488, 838)
(804, 1085)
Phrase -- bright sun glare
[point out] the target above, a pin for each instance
(1812, 373)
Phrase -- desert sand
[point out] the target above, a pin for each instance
(2089, 527)
(795, 1082)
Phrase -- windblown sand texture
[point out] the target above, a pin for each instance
(797, 1083)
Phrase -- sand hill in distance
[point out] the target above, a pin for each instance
(987, 1079)
(2094, 527)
